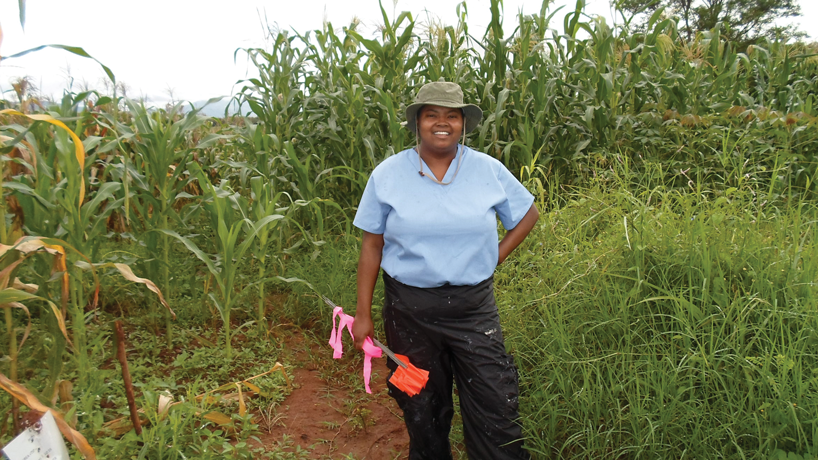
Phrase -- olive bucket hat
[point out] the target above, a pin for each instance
(443, 94)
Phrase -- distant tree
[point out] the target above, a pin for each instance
(745, 22)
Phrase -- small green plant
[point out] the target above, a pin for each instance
(265, 202)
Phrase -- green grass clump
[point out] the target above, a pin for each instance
(657, 324)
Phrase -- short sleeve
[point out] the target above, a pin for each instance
(372, 212)
(518, 199)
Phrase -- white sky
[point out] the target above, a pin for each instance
(187, 46)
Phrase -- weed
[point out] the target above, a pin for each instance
(269, 418)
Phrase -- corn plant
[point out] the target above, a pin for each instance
(62, 198)
(235, 235)
(265, 202)
(275, 97)
(161, 141)
(56, 193)
(581, 96)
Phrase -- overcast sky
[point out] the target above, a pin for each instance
(188, 46)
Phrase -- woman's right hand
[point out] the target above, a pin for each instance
(362, 328)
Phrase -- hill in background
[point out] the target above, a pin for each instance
(219, 108)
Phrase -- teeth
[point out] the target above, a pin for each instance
(440, 132)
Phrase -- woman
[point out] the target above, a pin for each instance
(429, 216)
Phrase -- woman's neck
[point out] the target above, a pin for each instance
(434, 156)
(438, 162)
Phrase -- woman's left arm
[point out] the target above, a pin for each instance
(516, 235)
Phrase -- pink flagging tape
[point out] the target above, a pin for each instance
(335, 335)
(370, 350)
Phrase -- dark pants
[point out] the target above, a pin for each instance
(454, 331)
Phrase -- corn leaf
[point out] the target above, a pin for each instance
(71, 49)
(11, 295)
(28, 287)
(242, 405)
(23, 395)
(21, 4)
(195, 250)
(218, 418)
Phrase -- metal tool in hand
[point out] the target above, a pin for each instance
(389, 353)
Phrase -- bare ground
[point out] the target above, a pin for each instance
(328, 414)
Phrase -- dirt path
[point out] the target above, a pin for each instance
(329, 415)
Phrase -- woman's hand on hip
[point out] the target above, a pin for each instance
(516, 235)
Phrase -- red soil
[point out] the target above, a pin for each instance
(333, 419)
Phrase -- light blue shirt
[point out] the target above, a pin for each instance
(441, 234)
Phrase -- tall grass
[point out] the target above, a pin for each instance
(649, 323)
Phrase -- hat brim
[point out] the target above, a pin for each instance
(471, 114)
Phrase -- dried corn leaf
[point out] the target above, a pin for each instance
(6, 272)
(230, 397)
(28, 287)
(29, 245)
(22, 152)
(23, 395)
(277, 367)
(242, 406)
(228, 386)
(165, 402)
(252, 387)
(129, 275)
(11, 295)
(218, 418)
(60, 321)
(123, 425)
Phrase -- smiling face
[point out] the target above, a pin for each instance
(440, 129)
